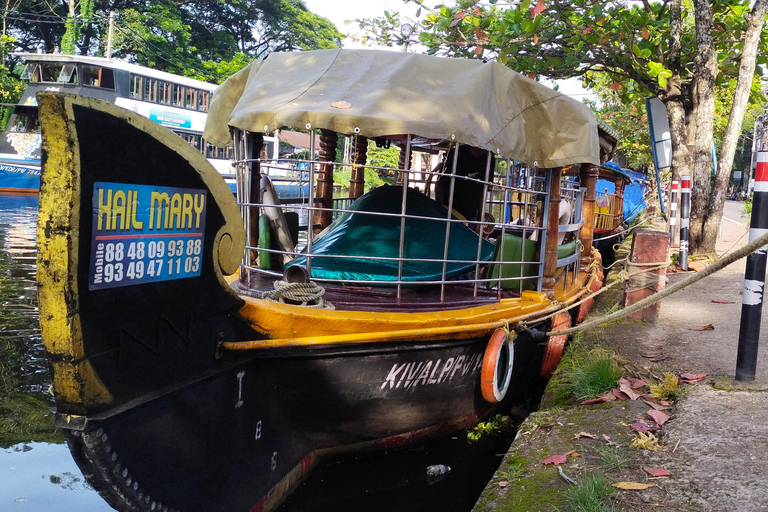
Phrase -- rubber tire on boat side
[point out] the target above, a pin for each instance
(553, 353)
(498, 362)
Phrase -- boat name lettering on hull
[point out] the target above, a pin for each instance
(145, 234)
(423, 373)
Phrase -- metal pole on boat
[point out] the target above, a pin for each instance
(673, 212)
(403, 210)
(311, 210)
(685, 221)
(754, 277)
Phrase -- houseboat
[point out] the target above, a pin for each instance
(207, 350)
(173, 101)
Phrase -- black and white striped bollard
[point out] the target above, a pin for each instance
(754, 277)
(673, 212)
(685, 221)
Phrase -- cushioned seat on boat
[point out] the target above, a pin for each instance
(337, 253)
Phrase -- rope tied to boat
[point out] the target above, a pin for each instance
(308, 295)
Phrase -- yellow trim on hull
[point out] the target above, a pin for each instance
(288, 326)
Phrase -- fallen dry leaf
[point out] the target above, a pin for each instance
(582, 435)
(722, 301)
(626, 387)
(503, 483)
(659, 417)
(555, 459)
(632, 486)
(607, 397)
(608, 440)
(637, 383)
(656, 406)
(649, 356)
(693, 377)
(657, 472)
(620, 395)
(708, 327)
(342, 104)
(641, 427)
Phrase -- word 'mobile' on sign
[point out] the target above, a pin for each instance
(145, 234)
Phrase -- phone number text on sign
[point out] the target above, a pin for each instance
(144, 234)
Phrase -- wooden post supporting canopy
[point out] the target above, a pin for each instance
(328, 140)
(618, 213)
(550, 250)
(588, 177)
(357, 181)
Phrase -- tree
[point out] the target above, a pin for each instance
(640, 48)
(207, 39)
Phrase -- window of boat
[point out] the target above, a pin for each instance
(136, 86)
(178, 95)
(202, 101)
(190, 98)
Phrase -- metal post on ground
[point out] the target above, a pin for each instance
(685, 221)
(754, 277)
(673, 212)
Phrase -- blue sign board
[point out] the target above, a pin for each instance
(170, 119)
(145, 234)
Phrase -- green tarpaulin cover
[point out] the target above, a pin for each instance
(353, 235)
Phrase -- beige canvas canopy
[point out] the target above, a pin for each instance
(379, 93)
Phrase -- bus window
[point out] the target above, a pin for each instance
(178, 95)
(202, 101)
(136, 85)
(150, 89)
(24, 123)
(190, 99)
(107, 78)
(210, 150)
(45, 71)
(68, 74)
(163, 92)
(91, 75)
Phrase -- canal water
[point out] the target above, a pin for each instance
(37, 473)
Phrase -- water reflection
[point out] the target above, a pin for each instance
(36, 469)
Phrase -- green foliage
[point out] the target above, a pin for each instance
(496, 425)
(590, 494)
(383, 157)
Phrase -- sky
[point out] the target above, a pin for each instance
(339, 11)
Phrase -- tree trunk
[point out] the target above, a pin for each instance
(703, 240)
(754, 21)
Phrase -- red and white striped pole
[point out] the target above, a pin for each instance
(673, 212)
(685, 221)
(754, 276)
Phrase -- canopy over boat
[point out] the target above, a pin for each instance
(381, 93)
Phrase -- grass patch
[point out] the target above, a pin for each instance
(590, 494)
(598, 375)
(513, 468)
(613, 458)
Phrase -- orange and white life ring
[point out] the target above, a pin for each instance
(553, 352)
(498, 361)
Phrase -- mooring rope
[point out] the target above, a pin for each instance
(720, 264)
(309, 295)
